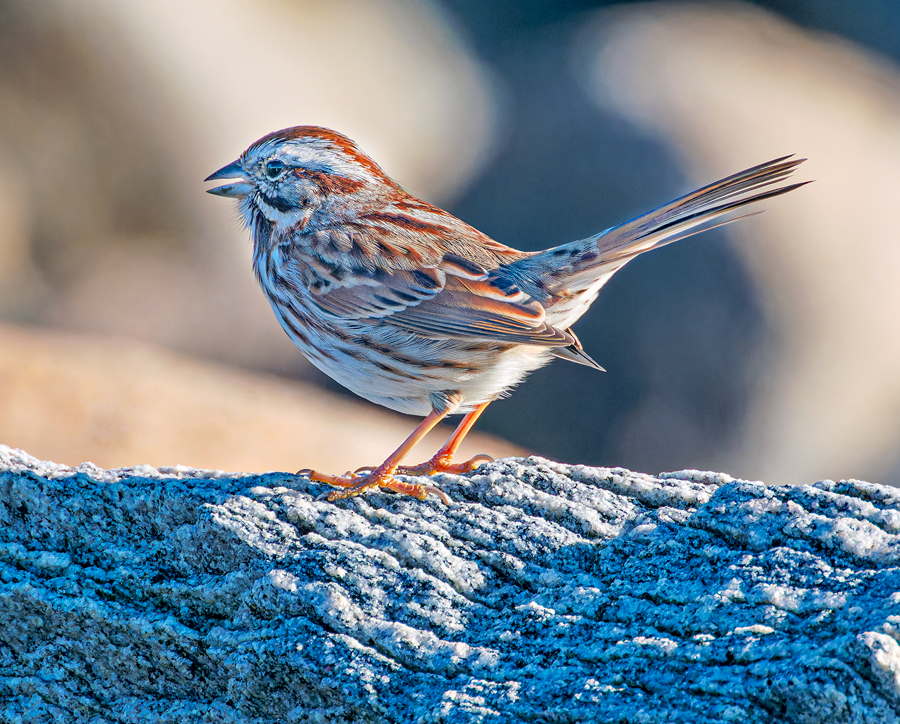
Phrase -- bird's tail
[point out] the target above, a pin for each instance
(581, 268)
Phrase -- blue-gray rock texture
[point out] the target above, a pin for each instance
(545, 593)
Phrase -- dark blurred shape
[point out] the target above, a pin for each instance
(565, 171)
(728, 84)
(874, 24)
(689, 345)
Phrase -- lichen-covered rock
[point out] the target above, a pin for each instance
(546, 593)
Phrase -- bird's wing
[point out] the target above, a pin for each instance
(456, 299)
(378, 294)
(468, 309)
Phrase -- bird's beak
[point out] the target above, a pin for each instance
(232, 190)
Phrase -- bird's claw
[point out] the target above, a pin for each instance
(442, 464)
(367, 478)
(358, 484)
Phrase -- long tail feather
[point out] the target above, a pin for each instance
(587, 264)
(666, 224)
(567, 279)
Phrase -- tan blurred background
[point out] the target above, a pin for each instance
(132, 329)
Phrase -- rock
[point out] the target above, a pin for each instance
(546, 593)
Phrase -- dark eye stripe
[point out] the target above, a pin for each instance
(278, 203)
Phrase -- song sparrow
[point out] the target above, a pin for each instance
(413, 309)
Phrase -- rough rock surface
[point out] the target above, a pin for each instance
(546, 593)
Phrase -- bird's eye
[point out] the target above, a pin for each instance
(274, 169)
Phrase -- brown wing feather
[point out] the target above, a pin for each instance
(458, 312)
(437, 304)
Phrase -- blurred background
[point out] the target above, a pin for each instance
(131, 330)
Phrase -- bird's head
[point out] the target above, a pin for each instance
(290, 175)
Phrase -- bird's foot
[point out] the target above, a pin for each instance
(360, 482)
(440, 463)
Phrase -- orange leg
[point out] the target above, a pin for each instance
(440, 462)
(382, 476)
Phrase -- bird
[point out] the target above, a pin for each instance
(413, 309)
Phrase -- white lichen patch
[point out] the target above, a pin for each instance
(884, 659)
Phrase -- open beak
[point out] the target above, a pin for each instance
(232, 190)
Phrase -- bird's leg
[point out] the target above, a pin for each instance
(441, 460)
(382, 476)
